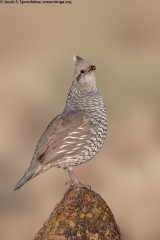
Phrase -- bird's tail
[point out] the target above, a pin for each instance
(27, 176)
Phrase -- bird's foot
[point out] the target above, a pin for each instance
(78, 184)
(81, 185)
(69, 182)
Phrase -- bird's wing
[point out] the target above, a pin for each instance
(41, 147)
(44, 139)
(68, 138)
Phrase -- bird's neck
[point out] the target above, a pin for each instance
(89, 102)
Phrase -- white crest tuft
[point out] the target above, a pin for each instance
(74, 59)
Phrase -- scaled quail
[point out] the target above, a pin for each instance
(77, 134)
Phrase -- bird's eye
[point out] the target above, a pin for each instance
(82, 71)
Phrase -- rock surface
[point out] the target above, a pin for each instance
(83, 215)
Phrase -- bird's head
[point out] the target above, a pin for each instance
(84, 75)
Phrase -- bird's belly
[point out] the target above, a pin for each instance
(89, 150)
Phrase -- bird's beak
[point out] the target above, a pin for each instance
(92, 68)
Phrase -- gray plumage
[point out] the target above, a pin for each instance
(77, 134)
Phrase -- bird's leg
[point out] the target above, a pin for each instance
(72, 176)
(74, 180)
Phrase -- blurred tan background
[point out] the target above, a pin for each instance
(122, 38)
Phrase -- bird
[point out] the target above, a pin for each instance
(78, 133)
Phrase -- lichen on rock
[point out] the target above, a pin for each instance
(83, 215)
